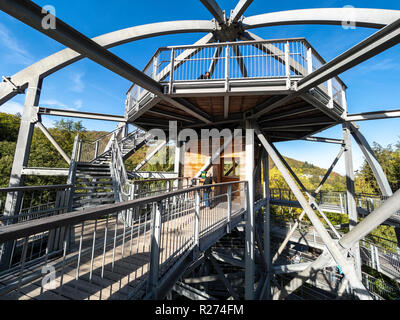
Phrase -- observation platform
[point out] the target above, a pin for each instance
(253, 78)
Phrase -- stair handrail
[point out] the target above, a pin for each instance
(72, 172)
(118, 170)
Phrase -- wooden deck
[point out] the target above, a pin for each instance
(118, 269)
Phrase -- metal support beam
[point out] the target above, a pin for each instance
(351, 193)
(369, 155)
(333, 249)
(31, 14)
(249, 248)
(53, 141)
(227, 284)
(390, 207)
(326, 140)
(80, 115)
(152, 282)
(21, 158)
(214, 61)
(215, 10)
(239, 10)
(266, 290)
(376, 115)
(373, 45)
(328, 173)
(150, 156)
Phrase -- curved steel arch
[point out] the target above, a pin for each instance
(369, 18)
(65, 57)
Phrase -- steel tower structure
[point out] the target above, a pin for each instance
(305, 96)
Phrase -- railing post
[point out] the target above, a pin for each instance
(309, 61)
(287, 64)
(79, 151)
(152, 283)
(96, 153)
(196, 225)
(171, 73)
(229, 196)
(330, 93)
(227, 67)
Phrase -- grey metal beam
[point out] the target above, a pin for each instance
(176, 116)
(390, 207)
(191, 293)
(298, 267)
(370, 47)
(297, 123)
(326, 140)
(376, 115)
(150, 156)
(328, 173)
(239, 10)
(227, 284)
(63, 58)
(333, 249)
(249, 247)
(377, 170)
(294, 112)
(266, 290)
(321, 106)
(215, 10)
(369, 18)
(79, 114)
(53, 141)
(31, 14)
(351, 194)
(21, 158)
(56, 172)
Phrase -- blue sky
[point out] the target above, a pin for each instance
(85, 86)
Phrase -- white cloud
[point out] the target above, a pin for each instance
(12, 107)
(53, 103)
(77, 83)
(17, 54)
(78, 104)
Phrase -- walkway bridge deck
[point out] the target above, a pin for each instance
(129, 250)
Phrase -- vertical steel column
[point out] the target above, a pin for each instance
(227, 67)
(196, 225)
(171, 74)
(287, 64)
(351, 202)
(96, 152)
(267, 228)
(178, 164)
(309, 61)
(152, 283)
(249, 249)
(229, 209)
(21, 158)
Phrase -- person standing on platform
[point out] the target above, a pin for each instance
(208, 181)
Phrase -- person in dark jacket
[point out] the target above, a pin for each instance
(207, 75)
(208, 181)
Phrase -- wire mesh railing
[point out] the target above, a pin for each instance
(119, 251)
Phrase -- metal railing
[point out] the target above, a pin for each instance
(150, 187)
(118, 171)
(379, 289)
(267, 59)
(91, 150)
(336, 199)
(109, 259)
(29, 204)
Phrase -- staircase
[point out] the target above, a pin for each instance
(93, 186)
(129, 145)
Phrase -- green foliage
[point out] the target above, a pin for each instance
(389, 159)
(9, 127)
